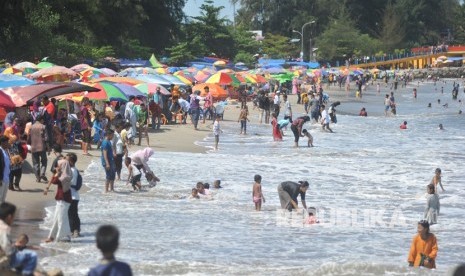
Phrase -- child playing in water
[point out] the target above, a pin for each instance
(437, 180)
(403, 125)
(134, 174)
(257, 195)
(309, 136)
(311, 219)
(194, 194)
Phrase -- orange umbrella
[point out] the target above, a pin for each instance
(217, 91)
(260, 78)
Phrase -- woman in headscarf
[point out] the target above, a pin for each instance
(140, 159)
(60, 230)
(9, 121)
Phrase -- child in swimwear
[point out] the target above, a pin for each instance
(311, 219)
(309, 136)
(134, 174)
(194, 194)
(437, 180)
(403, 125)
(257, 195)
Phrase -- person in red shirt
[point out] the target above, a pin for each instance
(403, 125)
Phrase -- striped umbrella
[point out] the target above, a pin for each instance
(220, 78)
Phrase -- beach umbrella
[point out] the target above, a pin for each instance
(217, 91)
(151, 88)
(220, 63)
(126, 80)
(80, 67)
(201, 76)
(227, 71)
(108, 92)
(44, 64)
(54, 72)
(14, 80)
(6, 101)
(92, 73)
(25, 65)
(153, 79)
(174, 80)
(12, 71)
(108, 71)
(184, 79)
(21, 95)
(220, 78)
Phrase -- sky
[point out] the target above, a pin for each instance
(192, 8)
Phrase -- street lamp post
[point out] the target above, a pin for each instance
(302, 38)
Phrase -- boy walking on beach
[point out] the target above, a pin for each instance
(108, 161)
(257, 195)
(107, 239)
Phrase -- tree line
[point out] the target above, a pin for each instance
(73, 31)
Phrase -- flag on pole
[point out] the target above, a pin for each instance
(155, 63)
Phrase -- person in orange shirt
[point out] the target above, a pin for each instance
(49, 106)
(424, 248)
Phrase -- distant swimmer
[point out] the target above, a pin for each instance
(414, 93)
(403, 125)
(194, 194)
(440, 127)
(437, 180)
(439, 101)
(429, 105)
(288, 192)
(446, 105)
(424, 248)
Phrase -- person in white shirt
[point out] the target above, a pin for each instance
(287, 108)
(118, 149)
(325, 119)
(276, 103)
(185, 106)
(76, 183)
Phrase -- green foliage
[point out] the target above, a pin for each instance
(277, 46)
(244, 57)
(180, 53)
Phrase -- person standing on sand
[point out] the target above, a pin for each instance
(208, 104)
(4, 167)
(86, 125)
(195, 108)
(39, 148)
(60, 228)
(257, 194)
(108, 161)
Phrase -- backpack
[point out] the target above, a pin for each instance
(78, 185)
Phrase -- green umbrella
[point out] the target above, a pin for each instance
(44, 64)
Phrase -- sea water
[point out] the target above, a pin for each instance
(367, 181)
